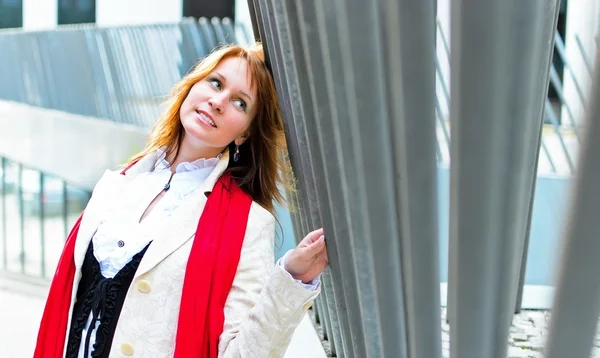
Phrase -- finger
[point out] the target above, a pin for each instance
(314, 235)
(311, 249)
(317, 245)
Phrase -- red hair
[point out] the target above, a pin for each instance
(262, 165)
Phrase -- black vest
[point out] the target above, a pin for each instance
(103, 297)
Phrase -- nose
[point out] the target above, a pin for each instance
(217, 101)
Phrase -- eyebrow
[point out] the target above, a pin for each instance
(242, 92)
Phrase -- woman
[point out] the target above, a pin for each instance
(174, 255)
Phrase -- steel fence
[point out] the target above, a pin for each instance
(118, 73)
(359, 105)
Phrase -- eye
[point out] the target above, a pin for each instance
(215, 83)
(240, 104)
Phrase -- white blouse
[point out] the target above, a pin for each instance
(122, 235)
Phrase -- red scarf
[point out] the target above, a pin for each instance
(208, 278)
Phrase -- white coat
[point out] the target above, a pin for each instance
(264, 305)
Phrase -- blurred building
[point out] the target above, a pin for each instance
(46, 14)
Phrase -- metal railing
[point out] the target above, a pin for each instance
(359, 105)
(118, 73)
(558, 148)
(36, 212)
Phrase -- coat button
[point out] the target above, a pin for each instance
(127, 349)
(144, 286)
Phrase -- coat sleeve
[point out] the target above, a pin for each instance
(265, 305)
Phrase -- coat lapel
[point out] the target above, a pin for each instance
(182, 225)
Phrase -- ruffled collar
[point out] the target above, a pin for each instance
(184, 167)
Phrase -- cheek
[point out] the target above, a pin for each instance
(239, 123)
(193, 98)
(187, 104)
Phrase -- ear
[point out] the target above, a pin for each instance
(241, 139)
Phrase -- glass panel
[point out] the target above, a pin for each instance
(55, 192)
(13, 229)
(54, 236)
(6, 186)
(35, 211)
(9, 175)
(31, 198)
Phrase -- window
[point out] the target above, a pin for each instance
(11, 3)
(11, 13)
(76, 11)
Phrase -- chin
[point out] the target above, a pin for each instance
(195, 137)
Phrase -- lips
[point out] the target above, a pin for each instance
(206, 118)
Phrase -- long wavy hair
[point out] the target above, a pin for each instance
(263, 164)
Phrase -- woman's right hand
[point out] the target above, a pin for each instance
(309, 259)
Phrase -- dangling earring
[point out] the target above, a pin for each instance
(236, 155)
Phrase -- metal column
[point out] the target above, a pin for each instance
(409, 45)
(577, 301)
(362, 139)
(500, 61)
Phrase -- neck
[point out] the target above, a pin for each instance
(189, 153)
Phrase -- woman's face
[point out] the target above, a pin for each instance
(219, 108)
